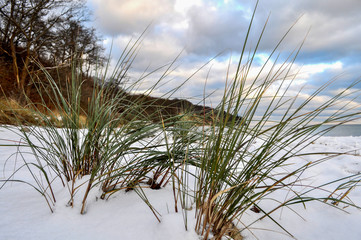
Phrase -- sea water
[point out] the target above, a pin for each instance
(347, 130)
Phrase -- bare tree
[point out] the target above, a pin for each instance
(77, 42)
(47, 29)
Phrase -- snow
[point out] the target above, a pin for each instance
(25, 214)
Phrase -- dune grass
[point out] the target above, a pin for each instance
(232, 177)
(125, 151)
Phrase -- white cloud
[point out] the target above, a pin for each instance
(130, 16)
(213, 30)
(308, 70)
(182, 6)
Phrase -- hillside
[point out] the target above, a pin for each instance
(37, 91)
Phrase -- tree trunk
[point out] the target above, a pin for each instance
(24, 71)
(15, 64)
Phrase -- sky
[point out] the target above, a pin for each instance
(201, 30)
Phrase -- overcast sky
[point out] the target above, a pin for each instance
(205, 28)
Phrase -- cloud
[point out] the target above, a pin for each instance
(130, 16)
(213, 30)
(206, 28)
(335, 27)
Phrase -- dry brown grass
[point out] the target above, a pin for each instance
(13, 113)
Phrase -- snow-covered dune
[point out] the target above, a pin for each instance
(24, 213)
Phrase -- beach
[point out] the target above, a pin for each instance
(25, 214)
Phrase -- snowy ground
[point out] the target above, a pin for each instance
(25, 215)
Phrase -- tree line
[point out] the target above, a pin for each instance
(51, 31)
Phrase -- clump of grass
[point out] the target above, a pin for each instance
(234, 175)
(111, 143)
(96, 148)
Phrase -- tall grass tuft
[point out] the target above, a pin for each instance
(243, 162)
(111, 144)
